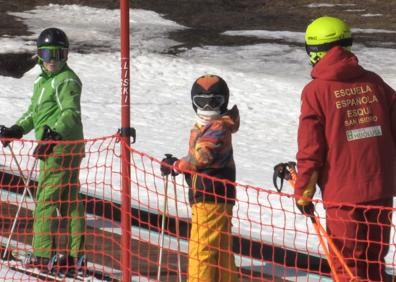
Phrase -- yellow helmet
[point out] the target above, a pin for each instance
(323, 34)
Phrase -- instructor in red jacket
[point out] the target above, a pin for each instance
(347, 145)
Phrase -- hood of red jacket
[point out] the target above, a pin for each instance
(338, 65)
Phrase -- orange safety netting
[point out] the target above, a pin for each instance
(263, 237)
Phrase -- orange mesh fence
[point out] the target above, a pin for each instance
(69, 206)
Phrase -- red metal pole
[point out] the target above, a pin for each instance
(125, 153)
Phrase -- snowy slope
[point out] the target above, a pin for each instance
(265, 82)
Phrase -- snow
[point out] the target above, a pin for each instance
(372, 15)
(265, 81)
(319, 5)
(8, 275)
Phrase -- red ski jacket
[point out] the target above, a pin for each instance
(347, 132)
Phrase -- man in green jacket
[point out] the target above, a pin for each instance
(55, 114)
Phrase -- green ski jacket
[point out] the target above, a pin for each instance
(56, 103)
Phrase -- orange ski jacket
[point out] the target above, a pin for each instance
(211, 153)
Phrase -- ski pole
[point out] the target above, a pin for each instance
(320, 231)
(335, 250)
(19, 170)
(19, 208)
(324, 247)
(24, 180)
(316, 224)
(292, 180)
(163, 226)
(177, 231)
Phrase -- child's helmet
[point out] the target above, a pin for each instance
(52, 37)
(210, 92)
(323, 34)
(52, 43)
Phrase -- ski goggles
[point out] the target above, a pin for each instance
(345, 42)
(208, 101)
(47, 54)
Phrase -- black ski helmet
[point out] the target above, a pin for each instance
(211, 84)
(52, 37)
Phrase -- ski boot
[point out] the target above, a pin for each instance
(6, 255)
(67, 266)
(41, 263)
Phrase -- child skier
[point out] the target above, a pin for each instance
(209, 170)
(55, 114)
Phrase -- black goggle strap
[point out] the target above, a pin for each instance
(345, 42)
(208, 100)
(52, 53)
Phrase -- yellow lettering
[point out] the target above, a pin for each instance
(368, 119)
(350, 122)
(356, 101)
(358, 112)
(352, 91)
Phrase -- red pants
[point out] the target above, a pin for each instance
(362, 236)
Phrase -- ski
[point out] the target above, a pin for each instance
(88, 274)
(99, 275)
(34, 272)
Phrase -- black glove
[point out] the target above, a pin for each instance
(44, 149)
(308, 209)
(167, 162)
(14, 131)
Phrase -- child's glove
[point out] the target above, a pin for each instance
(166, 166)
(304, 203)
(44, 149)
(14, 131)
